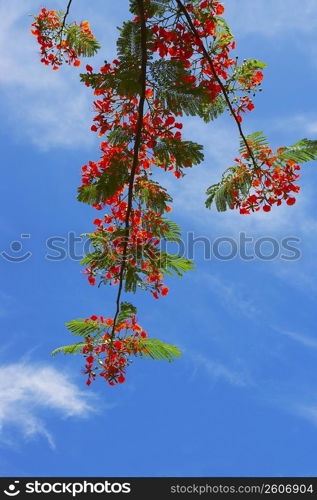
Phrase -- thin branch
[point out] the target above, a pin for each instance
(218, 79)
(65, 16)
(137, 143)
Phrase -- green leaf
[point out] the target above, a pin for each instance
(80, 328)
(126, 311)
(155, 349)
(247, 69)
(173, 264)
(158, 7)
(186, 153)
(258, 140)
(301, 152)
(152, 194)
(173, 232)
(129, 41)
(222, 192)
(107, 184)
(119, 136)
(81, 42)
(69, 349)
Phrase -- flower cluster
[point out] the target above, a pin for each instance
(171, 62)
(142, 253)
(52, 36)
(270, 184)
(178, 43)
(108, 357)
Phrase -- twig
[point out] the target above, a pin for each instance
(137, 143)
(65, 16)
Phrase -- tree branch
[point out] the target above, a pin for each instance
(135, 162)
(218, 79)
(65, 16)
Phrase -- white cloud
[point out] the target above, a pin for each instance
(219, 371)
(52, 109)
(302, 339)
(307, 412)
(28, 389)
(5, 304)
(301, 278)
(232, 295)
(271, 18)
(305, 122)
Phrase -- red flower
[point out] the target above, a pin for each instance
(250, 106)
(169, 121)
(220, 9)
(92, 280)
(291, 201)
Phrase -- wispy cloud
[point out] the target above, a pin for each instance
(5, 304)
(298, 337)
(305, 122)
(272, 18)
(307, 412)
(27, 390)
(303, 278)
(233, 296)
(218, 370)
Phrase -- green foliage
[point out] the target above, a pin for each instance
(157, 7)
(126, 311)
(174, 265)
(96, 80)
(69, 349)
(132, 279)
(222, 28)
(157, 350)
(80, 328)
(258, 140)
(126, 80)
(173, 231)
(301, 152)
(179, 96)
(129, 41)
(81, 42)
(212, 110)
(119, 136)
(246, 70)
(152, 194)
(222, 192)
(185, 153)
(107, 184)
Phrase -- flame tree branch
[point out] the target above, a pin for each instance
(137, 144)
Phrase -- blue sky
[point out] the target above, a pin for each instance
(242, 401)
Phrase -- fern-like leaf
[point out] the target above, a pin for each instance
(155, 349)
(80, 328)
(69, 349)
